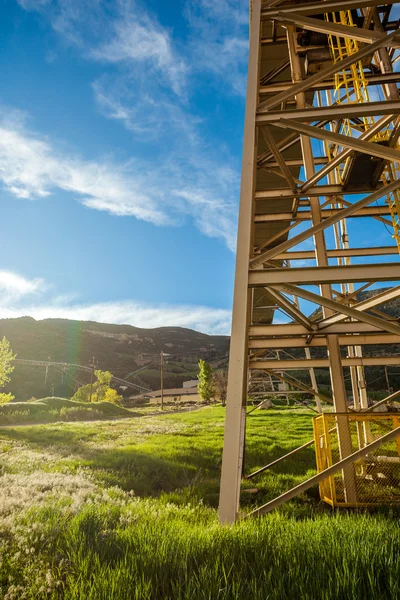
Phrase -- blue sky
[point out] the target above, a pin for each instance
(121, 132)
(120, 148)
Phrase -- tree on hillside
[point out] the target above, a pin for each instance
(103, 384)
(220, 380)
(206, 385)
(6, 368)
(101, 390)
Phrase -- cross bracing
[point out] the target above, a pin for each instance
(320, 156)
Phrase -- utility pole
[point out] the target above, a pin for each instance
(46, 373)
(387, 380)
(162, 354)
(91, 380)
(162, 378)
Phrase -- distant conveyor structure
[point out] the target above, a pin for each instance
(321, 159)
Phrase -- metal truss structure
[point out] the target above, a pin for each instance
(65, 367)
(320, 158)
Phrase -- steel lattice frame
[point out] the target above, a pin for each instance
(284, 113)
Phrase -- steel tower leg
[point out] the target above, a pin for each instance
(283, 83)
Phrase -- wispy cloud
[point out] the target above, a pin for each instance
(14, 287)
(138, 39)
(15, 302)
(219, 39)
(122, 33)
(144, 87)
(31, 167)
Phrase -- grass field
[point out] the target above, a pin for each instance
(127, 509)
(49, 410)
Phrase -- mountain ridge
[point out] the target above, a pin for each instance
(120, 348)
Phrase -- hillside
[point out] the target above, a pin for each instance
(123, 349)
(120, 349)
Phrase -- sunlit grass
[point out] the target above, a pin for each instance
(126, 509)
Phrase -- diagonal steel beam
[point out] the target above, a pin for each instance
(334, 68)
(275, 71)
(302, 487)
(341, 308)
(290, 243)
(344, 140)
(291, 309)
(355, 33)
(362, 306)
(279, 158)
(367, 135)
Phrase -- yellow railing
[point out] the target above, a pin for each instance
(376, 478)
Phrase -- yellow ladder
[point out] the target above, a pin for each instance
(350, 88)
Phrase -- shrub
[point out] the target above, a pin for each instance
(5, 398)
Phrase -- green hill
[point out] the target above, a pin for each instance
(121, 349)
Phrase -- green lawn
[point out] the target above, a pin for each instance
(127, 509)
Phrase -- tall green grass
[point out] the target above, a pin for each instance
(127, 510)
(48, 410)
(149, 551)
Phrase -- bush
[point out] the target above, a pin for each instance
(5, 398)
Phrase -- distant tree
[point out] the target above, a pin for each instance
(6, 358)
(6, 368)
(101, 390)
(103, 377)
(82, 394)
(102, 385)
(206, 385)
(220, 380)
(112, 395)
(5, 398)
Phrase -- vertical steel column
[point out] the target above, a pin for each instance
(336, 369)
(238, 362)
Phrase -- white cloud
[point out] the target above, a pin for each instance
(14, 287)
(219, 39)
(144, 88)
(15, 291)
(31, 167)
(140, 39)
(122, 33)
(150, 115)
(200, 318)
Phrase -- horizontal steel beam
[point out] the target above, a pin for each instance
(316, 8)
(310, 254)
(320, 342)
(329, 84)
(295, 162)
(365, 109)
(293, 329)
(323, 363)
(305, 215)
(315, 190)
(331, 274)
(312, 231)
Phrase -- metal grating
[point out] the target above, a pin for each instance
(375, 479)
